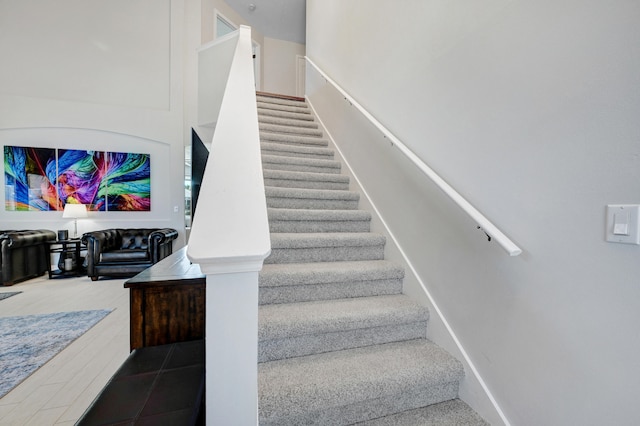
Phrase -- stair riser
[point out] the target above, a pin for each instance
(280, 101)
(313, 156)
(318, 226)
(369, 409)
(281, 160)
(300, 131)
(281, 121)
(299, 168)
(275, 349)
(297, 149)
(263, 112)
(328, 291)
(293, 139)
(310, 203)
(451, 412)
(306, 184)
(275, 107)
(325, 254)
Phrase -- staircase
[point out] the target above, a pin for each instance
(339, 343)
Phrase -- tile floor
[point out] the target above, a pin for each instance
(60, 391)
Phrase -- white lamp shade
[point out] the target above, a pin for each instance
(74, 210)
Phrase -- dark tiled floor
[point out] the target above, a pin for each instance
(156, 385)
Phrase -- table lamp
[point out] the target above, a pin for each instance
(74, 211)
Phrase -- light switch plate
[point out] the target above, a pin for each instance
(617, 215)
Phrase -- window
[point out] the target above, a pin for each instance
(223, 26)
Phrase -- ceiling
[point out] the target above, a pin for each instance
(280, 19)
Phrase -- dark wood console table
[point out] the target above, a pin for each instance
(167, 302)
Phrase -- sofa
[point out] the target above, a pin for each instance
(120, 252)
(24, 254)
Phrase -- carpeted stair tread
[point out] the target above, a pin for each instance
(302, 131)
(449, 413)
(285, 114)
(328, 215)
(281, 101)
(316, 194)
(293, 179)
(325, 247)
(281, 121)
(328, 291)
(309, 220)
(303, 198)
(326, 240)
(306, 328)
(300, 282)
(272, 148)
(292, 139)
(300, 164)
(298, 319)
(276, 275)
(287, 108)
(344, 386)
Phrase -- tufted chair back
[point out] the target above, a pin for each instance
(135, 239)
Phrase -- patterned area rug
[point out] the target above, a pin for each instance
(8, 294)
(28, 342)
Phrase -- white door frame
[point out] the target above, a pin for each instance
(257, 63)
(301, 66)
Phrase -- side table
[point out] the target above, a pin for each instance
(70, 261)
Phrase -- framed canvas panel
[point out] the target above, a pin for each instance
(128, 182)
(28, 176)
(81, 178)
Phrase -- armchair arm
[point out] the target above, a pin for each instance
(23, 254)
(98, 242)
(161, 243)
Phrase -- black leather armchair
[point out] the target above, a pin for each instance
(24, 254)
(125, 252)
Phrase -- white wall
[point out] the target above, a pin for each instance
(395, 186)
(87, 51)
(97, 75)
(208, 10)
(280, 65)
(530, 111)
(277, 57)
(200, 33)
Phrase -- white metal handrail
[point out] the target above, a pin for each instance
(483, 223)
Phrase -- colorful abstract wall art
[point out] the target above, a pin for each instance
(128, 182)
(28, 179)
(80, 176)
(47, 179)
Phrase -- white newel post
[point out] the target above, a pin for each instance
(230, 237)
(232, 349)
